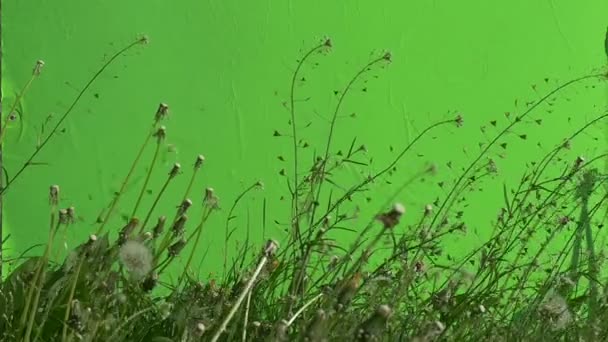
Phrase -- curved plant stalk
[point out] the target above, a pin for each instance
(8, 118)
(54, 226)
(160, 137)
(53, 131)
(172, 174)
(198, 230)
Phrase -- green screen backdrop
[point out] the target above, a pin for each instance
(224, 68)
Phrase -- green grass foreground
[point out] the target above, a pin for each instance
(512, 287)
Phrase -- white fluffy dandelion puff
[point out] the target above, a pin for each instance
(137, 258)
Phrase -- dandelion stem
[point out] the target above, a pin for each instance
(44, 142)
(148, 175)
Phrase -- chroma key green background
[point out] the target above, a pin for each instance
(224, 68)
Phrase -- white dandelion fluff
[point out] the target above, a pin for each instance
(137, 258)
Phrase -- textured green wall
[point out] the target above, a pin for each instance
(224, 68)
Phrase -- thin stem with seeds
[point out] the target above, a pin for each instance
(53, 131)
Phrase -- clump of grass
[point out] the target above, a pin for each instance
(392, 282)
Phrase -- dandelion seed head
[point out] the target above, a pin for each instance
(137, 258)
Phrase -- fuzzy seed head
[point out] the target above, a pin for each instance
(137, 258)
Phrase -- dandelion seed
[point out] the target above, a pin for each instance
(137, 258)
(556, 309)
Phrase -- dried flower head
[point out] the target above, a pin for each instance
(270, 248)
(160, 134)
(63, 216)
(137, 258)
(143, 39)
(391, 218)
(176, 248)
(159, 227)
(38, 67)
(388, 57)
(161, 112)
(459, 120)
(184, 206)
(175, 170)
(428, 210)
(555, 308)
(54, 195)
(199, 161)
(178, 226)
(211, 200)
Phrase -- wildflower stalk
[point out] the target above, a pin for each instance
(8, 118)
(507, 129)
(172, 174)
(227, 231)
(55, 128)
(118, 195)
(294, 131)
(54, 226)
(197, 166)
(269, 250)
(246, 318)
(68, 308)
(160, 137)
(197, 231)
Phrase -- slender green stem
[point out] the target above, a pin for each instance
(70, 298)
(147, 180)
(125, 182)
(197, 231)
(42, 278)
